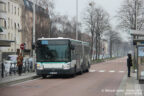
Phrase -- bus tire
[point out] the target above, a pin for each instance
(74, 74)
(87, 70)
(81, 70)
(44, 76)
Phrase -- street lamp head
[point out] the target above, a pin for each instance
(92, 3)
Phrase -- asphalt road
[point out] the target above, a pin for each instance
(102, 80)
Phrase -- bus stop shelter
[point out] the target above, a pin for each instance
(138, 42)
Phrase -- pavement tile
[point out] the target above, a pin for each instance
(13, 78)
(131, 86)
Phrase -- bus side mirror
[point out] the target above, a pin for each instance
(72, 47)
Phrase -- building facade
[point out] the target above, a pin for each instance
(41, 24)
(10, 22)
(16, 20)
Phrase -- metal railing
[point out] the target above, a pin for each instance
(13, 69)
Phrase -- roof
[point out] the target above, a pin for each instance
(61, 38)
(137, 33)
(28, 4)
(5, 43)
(39, 10)
(138, 40)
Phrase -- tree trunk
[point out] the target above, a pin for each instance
(110, 49)
(92, 46)
(96, 47)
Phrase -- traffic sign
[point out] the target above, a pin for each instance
(22, 46)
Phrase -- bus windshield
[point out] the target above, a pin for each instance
(53, 51)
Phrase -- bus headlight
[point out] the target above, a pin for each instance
(66, 66)
(40, 67)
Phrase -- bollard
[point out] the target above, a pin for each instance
(14, 69)
(28, 66)
(25, 68)
(10, 69)
(2, 70)
(31, 66)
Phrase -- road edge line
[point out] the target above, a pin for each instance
(18, 81)
(122, 87)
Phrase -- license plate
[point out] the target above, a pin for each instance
(53, 73)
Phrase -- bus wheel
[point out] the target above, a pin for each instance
(81, 71)
(74, 74)
(44, 76)
(87, 70)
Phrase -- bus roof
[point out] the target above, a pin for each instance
(61, 38)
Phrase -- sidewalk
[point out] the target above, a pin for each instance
(16, 78)
(129, 86)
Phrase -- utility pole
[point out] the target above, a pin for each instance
(33, 23)
(76, 19)
(33, 36)
(135, 49)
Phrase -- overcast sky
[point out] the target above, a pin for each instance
(68, 7)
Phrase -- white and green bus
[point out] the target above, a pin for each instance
(62, 56)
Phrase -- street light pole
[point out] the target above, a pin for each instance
(76, 19)
(33, 22)
(33, 36)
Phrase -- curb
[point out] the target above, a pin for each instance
(18, 81)
(129, 87)
(122, 87)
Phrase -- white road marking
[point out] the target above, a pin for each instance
(92, 70)
(121, 71)
(111, 71)
(101, 71)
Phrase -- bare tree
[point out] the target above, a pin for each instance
(113, 38)
(131, 15)
(97, 21)
(65, 27)
(102, 25)
(90, 23)
(49, 6)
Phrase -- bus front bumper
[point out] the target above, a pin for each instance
(55, 71)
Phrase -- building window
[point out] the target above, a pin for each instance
(8, 6)
(11, 24)
(15, 10)
(3, 23)
(11, 36)
(2, 7)
(18, 11)
(15, 26)
(18, 26)
(8, 35)
(12, 9)
(8, 22)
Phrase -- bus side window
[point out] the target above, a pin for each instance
(72, 54)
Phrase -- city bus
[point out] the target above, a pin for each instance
(62, 56)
